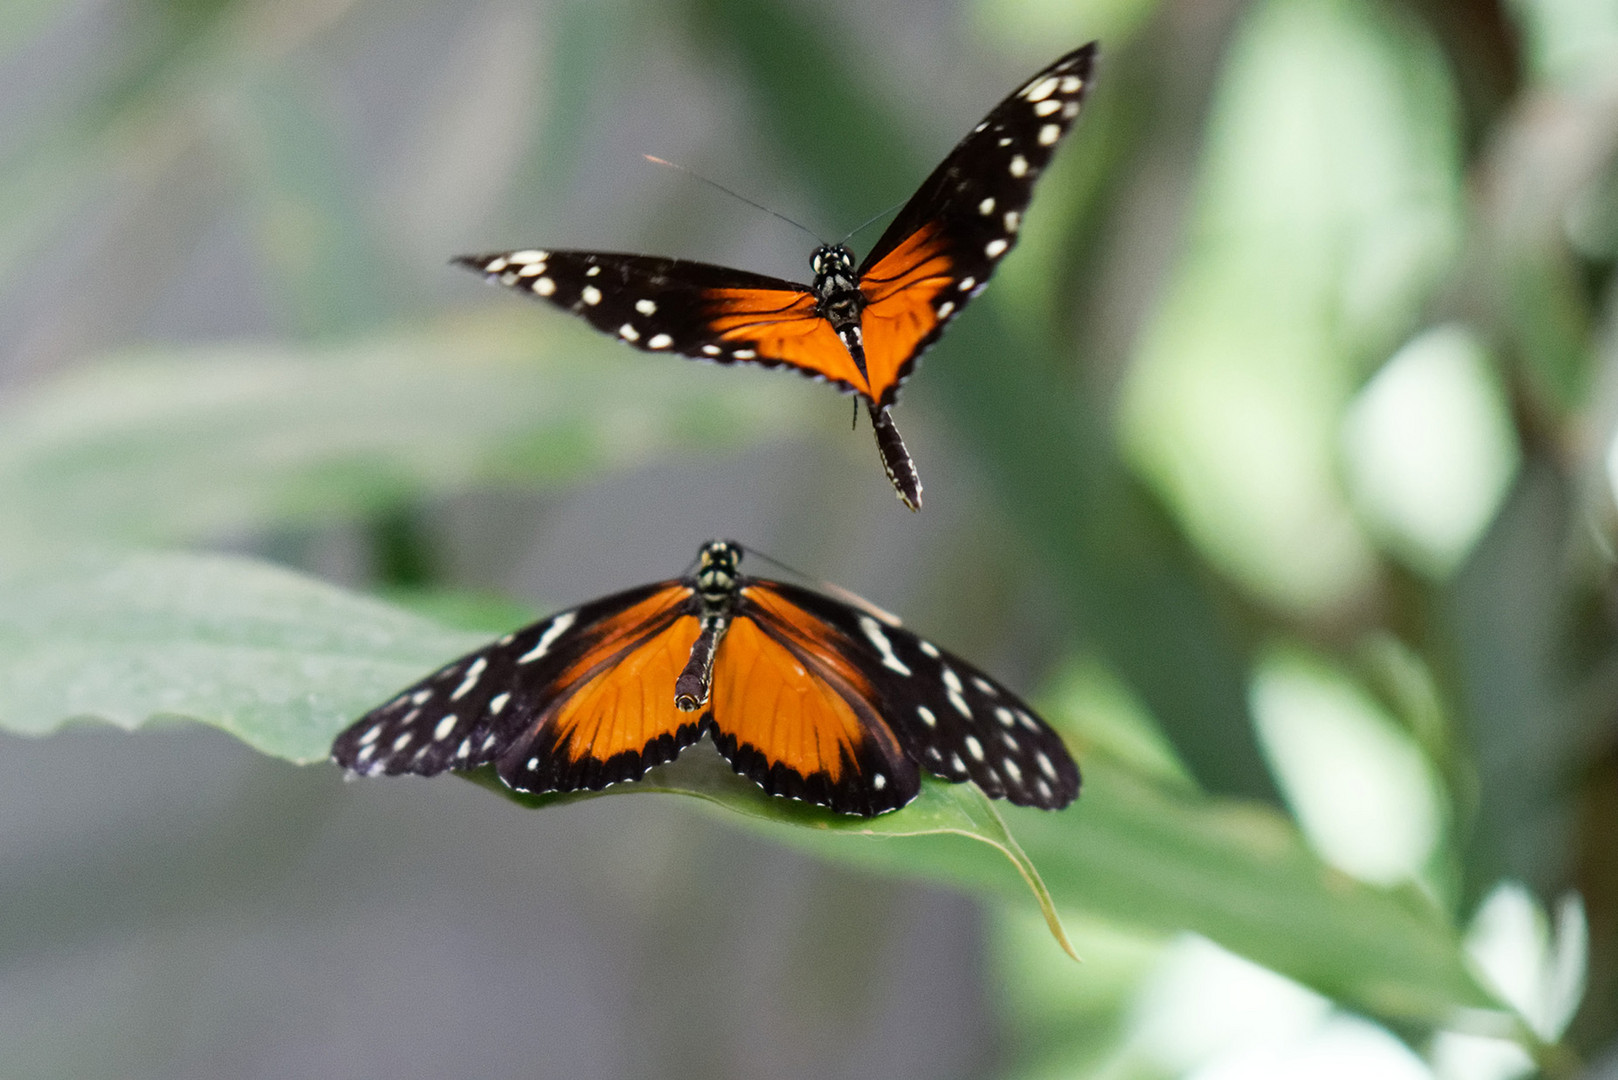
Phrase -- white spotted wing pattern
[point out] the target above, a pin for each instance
(861, 330)
(953, 720)
(809, 697)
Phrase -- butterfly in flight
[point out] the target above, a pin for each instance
(860, 329)
(809, 697)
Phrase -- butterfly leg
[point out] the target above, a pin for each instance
(896, 459)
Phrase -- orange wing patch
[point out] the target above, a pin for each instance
(630, 704)
(610, 637)
(770, 701)
(899, 313)
(793, 714)
(781, 327)
(613, 714)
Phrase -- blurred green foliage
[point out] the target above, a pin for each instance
(1292, 421)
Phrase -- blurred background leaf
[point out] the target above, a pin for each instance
(1277, 467)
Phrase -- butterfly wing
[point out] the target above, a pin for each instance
(792, 714)
(945, 714)
(947, 240)
(692, 309)
(582, 699)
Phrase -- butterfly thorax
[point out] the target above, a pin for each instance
(718, 580)
(838, 298)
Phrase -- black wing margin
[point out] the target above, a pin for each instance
(996, 164)
(655, 304)
(951, 718)
(470, 710)
(946, 242)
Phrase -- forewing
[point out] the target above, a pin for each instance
(943, 246)
(692, 309)
(951, 718)
(474, 710)
(617, 721)
(790, 713)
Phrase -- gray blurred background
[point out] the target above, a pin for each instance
(1169, 494)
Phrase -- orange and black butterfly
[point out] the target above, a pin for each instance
(861, 330)
(807, 696)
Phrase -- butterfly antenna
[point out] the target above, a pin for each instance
(735, 195)
(875, 217)
(847, 596)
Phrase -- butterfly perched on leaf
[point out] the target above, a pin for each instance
(860, 329)
(809, 697)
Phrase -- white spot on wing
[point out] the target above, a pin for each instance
(1048, 106)
(1047, 766)
(986, 207)
(1044, 90)
(1071, 84)
(1012, 220)
(445, 726)
(975, 747)
(660, 341)
(420, 696)
(1013, 770)
(556, 629)
(528, 256)
(1019, 165)
(929, 648)
(401, 742)
(646, 307)
(628, 333)
(711, 350)
(544, 286)
(879, 781)
(1049, 134)
(985, 685)
(498, 703)
(967, 283)
(995, 248)
(946, 309)
(471, 680)
(592, 295)
(744, 354)
(370, 736)
(927, 716)
(952, 684)
(1028, 721)
(890, 659)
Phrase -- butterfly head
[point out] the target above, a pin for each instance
(833, 265)
(718, 566)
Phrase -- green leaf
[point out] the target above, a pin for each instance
(1240, 874)
(284, 663)
(170, 446)
(278, 660)
(941, 809)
